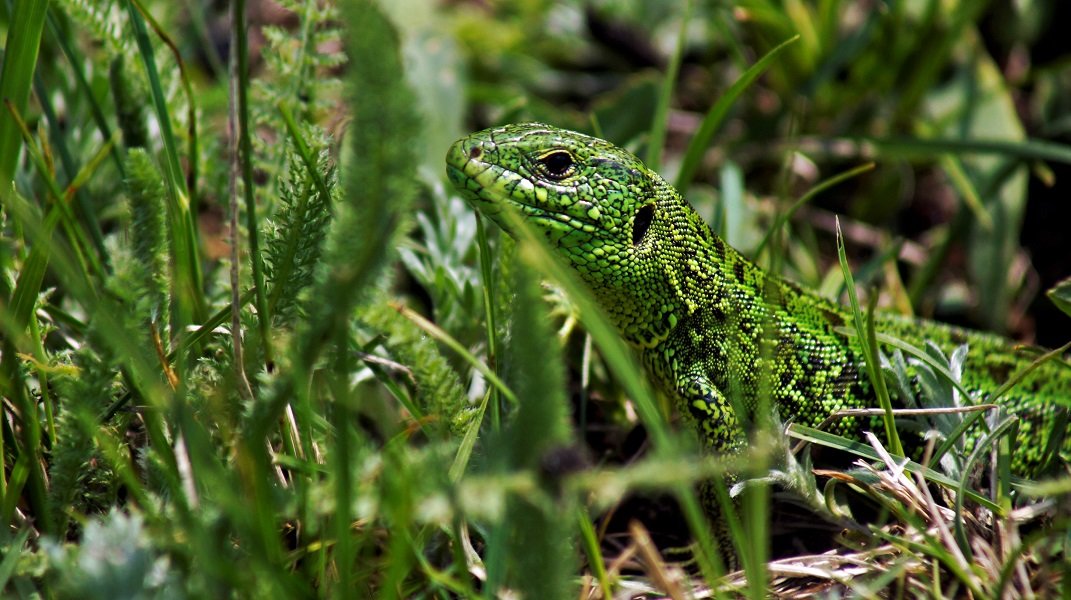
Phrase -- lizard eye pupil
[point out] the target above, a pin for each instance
(642, 223)
(558, 164)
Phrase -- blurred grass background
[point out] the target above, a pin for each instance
(398, 416)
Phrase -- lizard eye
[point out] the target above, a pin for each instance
(557, 164)
(641, 223)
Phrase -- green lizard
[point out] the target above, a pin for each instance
(698, 312)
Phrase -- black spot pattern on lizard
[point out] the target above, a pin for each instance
(834, 319)
(738, 270)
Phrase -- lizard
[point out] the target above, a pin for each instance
(698, 312)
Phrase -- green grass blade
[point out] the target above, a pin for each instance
(869, 344)
(72, 227)
(191, 106)
(594, 553)
(783, 217)
(7, 566)
(488, 287)
(75, 59)
(1054, 354)
(714, 117)
(957, 173)
(657, 138)
(86, 215)
(244, 156)
(16, 77)
(468, 444)
(1027, 150)
(190, 303)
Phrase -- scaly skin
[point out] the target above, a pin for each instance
(708, 323)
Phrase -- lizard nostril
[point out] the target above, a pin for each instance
(475, 152)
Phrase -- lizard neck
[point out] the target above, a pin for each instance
(678, 269)
(683, 272)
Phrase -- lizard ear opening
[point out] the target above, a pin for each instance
(641, 223)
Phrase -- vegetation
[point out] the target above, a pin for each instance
(252, 345)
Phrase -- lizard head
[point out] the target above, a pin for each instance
(584, 194)
(596, 205)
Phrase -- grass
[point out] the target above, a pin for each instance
(255, 346)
